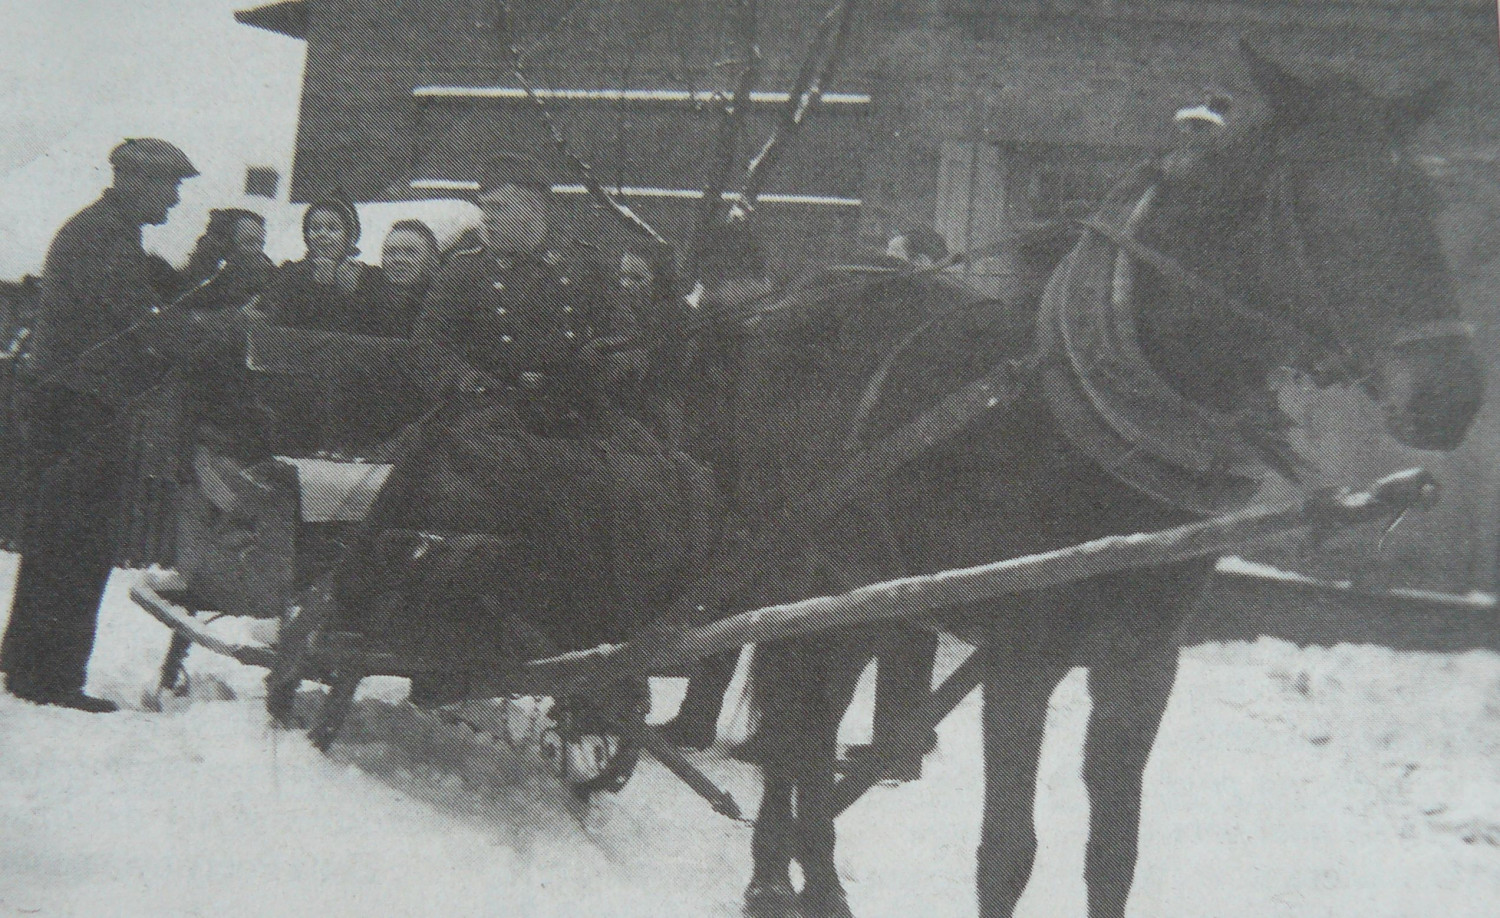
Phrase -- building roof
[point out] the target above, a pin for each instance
(288, 17)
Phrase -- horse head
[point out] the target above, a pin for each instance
(1326, 228)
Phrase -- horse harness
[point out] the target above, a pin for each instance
(1113, 405)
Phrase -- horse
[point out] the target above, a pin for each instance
(1301, 239)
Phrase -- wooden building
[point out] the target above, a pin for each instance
(974, 116)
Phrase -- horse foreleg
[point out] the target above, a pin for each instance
(841, 661)
(1129, 699)
(1016, 692)
(770, 893)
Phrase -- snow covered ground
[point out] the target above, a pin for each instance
(1352, 781)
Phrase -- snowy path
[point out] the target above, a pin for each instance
(1348, 782)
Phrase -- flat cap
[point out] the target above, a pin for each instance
(154, 156)
(515, 169)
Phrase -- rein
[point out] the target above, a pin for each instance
(1195, 283)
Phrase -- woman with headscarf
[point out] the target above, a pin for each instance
(328, 289)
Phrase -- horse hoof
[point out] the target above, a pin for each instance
(773, 899)
(823, 902)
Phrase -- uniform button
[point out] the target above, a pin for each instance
(501, 310)
(569, 334)
(498, 285)
(505, 338)
(567, 309)
(564, 281)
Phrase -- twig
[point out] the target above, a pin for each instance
(817, 72)
(731, 127)
(582, 170)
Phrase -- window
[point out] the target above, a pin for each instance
(972, 198)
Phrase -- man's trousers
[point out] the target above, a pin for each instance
(74, 470)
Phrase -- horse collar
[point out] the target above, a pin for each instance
(1113, 404)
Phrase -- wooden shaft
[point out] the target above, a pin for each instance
(934, 708)
(899, 599)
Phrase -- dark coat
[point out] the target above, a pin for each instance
(510, 314)
(295, 300)
(391, 311)
(96, 284)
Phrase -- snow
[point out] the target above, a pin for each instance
(1344, 781)
(1242, 567)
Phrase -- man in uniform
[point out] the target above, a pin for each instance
(91, 360)
(532, 325)
(524, 315)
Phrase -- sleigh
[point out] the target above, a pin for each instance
(262, 541)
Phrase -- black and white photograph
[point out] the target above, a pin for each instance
(749, 458)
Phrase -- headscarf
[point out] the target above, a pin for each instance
(346, 211)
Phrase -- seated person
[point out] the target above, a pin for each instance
(361, 396)
(540, 323)
(381, 399)
(408, 259)
(538, 458)
(228, 266)
(326, 290)
(226, 272)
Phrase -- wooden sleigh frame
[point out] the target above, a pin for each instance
(671, 649)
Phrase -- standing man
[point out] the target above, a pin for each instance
(90, 361)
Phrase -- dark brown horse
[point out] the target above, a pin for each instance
(1304, 239)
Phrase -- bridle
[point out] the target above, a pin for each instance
(1322, 355)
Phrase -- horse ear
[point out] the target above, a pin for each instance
(1287, 95)
(1406, 114)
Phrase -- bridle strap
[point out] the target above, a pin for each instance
(1437, 331)
(1194, 282)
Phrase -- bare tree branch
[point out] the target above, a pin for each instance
(817, 72)
(731, 126)
(581, 169)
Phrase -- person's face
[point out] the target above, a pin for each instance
(326, 236)
(515, 219)
(407, 258)
(635, 274)
(151, 196)
(249, 237)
